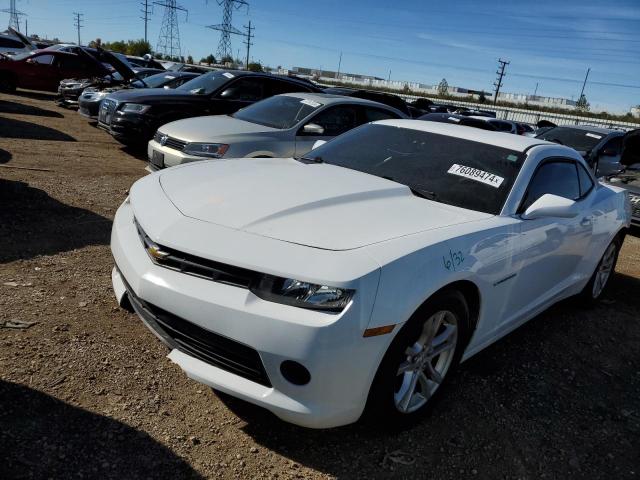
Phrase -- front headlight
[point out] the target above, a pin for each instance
(135, 107)
(211, 150)
(302, 294)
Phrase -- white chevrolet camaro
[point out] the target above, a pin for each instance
(355, 280)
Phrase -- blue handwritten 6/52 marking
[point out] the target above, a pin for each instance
(453, 260)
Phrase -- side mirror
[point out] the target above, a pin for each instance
(549, 205)
(318, 143)
(313, 129)
(229, 92)
(167, 87)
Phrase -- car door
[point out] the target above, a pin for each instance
(608, 156)
(550, 251)
(238, 94)
(333, 120)
(630, 152)
(39, 73)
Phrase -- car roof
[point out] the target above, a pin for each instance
(591, 128)
(518, 143)
(330, 98)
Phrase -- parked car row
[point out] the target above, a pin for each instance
(351, 271)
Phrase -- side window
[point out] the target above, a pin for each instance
(371, 114)
(558, 178)
(178, 81)
(245, 90)
(282, 86)
(337, 120)
(613, 147)
(10, 43)
(71, 62)
(586, 184)
(42, 59)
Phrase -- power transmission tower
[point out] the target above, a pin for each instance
(248, 43)
(226, 28)
(145, 11)
(77, 22)
(585, 82)
(14, 15)
(169, 39)
(498, 83)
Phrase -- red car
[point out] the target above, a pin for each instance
(43, 69)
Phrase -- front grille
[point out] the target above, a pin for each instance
(169, 142)
(210, 347)
(198, 266)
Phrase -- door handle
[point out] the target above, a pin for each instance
(585, 222)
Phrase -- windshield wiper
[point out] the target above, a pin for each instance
(310, 160)
(416, 190)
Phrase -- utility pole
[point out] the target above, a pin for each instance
(146, 13)
(226, 28)
(14, 15)
(77, 22)
(339, 65)
(26, 28)
(584, 83)
(169, 38)
(535, 92)
(389, 77)
(248, 43)
(498, 83)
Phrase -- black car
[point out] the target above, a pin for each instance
(600, 147)
(119, 70)
(89, 101)
(381, 97)
(458, 120)
(133, 116)
(629, 177)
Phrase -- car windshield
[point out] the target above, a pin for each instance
(206, 84)
(154, 81)
(576, 138)
(450, 170)
(282, 111)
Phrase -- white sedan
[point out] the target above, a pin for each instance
(355, 280)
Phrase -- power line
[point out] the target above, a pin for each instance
(145, 11)
(226, 28)
(169, 38)
(77, 22)
(248, 43)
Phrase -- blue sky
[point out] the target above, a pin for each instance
(551, 43)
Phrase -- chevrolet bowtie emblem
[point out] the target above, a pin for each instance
(163, 139)
(156, 253)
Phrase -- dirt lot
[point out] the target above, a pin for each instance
(86, 392)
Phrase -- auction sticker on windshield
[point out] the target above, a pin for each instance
(476, 174)
(311, 103)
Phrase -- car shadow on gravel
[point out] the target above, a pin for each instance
(557, 397)
(12, 128)
(22, 109)
(32, 223)
(43, 437)
(36, 95)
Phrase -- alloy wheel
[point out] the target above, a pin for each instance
(604, 270)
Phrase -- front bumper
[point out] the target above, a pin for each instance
(172, 157)
(342, 363)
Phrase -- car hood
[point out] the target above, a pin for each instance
(202, 129)
(164, 95)
(628, 179)
(316, 205)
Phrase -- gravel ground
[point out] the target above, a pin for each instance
(86, 391)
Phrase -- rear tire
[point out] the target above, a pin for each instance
(7, 83)
(411, 375)
(600, 280)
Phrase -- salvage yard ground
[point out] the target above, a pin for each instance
(86, 391)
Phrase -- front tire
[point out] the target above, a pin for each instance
(419, 361)
(600, 279)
